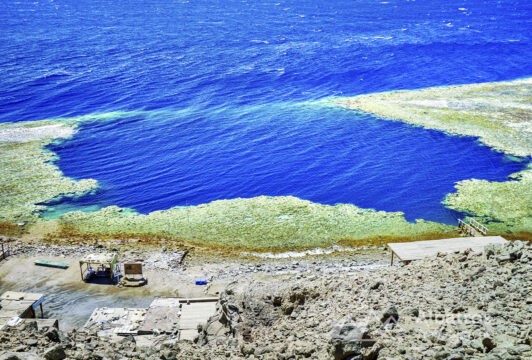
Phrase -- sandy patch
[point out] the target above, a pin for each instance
(14, 133)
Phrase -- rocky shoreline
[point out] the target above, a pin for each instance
(175, 258)
(456, 306)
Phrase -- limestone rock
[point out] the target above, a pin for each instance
(56, 352)
(346, 341)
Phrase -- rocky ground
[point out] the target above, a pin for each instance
(457, 306)
(161, 260)
(164, 258)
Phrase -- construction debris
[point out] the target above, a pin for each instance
(172, 316)
(115, 321)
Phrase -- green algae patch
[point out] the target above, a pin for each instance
(505, 206)
(261, 223)
(498, 114)
(29, 177)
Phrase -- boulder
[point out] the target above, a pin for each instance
(377, 284)
(56, 352)
(390, 315)
(19, 356)
(12, 356)
(346, 341)
(52, 335)
(488, 343)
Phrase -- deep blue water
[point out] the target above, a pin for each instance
(222, 95)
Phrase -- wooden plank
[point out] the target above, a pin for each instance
(416, 250)
(50, 263)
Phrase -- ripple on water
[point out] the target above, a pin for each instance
(309, 151)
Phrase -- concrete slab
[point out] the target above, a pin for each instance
(119, 321)
(20, 296)
(162, 317)
(192, 315)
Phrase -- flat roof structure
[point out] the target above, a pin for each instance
(416, 250)
(164, 316)
(105, 264)
(104, 258)
(15, 306)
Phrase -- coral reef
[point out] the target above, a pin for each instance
(499, 114)
(505, 205)
(29, 177)
(262, 223)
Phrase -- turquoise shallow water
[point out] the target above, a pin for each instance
(222, 100)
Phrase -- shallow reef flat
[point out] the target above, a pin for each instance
(499, 114)
(29, 177)
(260, 223)
(505, 206)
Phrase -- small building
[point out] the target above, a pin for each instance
(17, 307)
(99, 268)
(133, 275)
